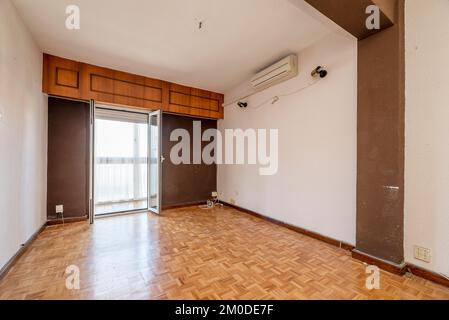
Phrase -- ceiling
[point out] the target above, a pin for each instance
(161, 38)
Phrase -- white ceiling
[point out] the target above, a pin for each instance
(161, 39)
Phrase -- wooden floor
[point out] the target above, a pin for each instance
(191, 253)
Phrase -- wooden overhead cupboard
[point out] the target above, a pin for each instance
(71, 79)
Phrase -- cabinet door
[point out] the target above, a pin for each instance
(200, 103)
(138, 91)
(179, 99)
(98, 83)
(128, 89)
(61, 77)
(121, 88)
(195, 102)
(216, 106)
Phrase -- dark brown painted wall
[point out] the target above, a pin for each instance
(380, 168)
(388, 7)
(351, 14)
(185, 184)
(68, 157)
(380, 123)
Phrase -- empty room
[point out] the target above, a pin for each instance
(238, 150)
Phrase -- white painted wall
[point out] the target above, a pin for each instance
(315, 187)
(23, 135)
(427, 132)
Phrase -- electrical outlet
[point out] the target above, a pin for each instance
(422, 254)
(60, 208)
(214, 194)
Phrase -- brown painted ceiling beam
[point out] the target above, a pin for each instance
(351, 14)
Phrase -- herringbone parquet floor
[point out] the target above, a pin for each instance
(191, 253)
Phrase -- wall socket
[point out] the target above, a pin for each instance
(422, 254)
(214, 194)
(60, 208)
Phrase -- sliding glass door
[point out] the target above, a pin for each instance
(126, 166)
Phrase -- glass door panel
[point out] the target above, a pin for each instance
(120, 161)
(155, 163)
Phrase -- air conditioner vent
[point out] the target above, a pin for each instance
(280, 71)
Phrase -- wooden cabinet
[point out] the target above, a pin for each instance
(71, 79)
(61, 77)
(195, 102)
(110, 86)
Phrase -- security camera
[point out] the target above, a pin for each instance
(242, 104)
(319, 71)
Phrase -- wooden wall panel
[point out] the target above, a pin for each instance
(68, 163)
(179, 185)
(66, 78)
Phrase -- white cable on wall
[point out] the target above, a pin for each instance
(276, 98)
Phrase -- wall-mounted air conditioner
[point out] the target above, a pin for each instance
(282, 70)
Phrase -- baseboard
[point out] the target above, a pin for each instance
(399, 269)
(53, 222)
(183, 205)
(428, 275)
(308, 233)
(4, 270)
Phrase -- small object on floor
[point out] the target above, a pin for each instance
(211, 203)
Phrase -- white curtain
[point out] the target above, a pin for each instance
(121, 157)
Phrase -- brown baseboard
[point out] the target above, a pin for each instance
(183, 205)
(384, 265)
(401, 269)
(53, 222)
(308, 233)
(428, 275)
(20, 252)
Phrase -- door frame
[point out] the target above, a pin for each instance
(158, 114)
(93, 106)
(91, 162)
